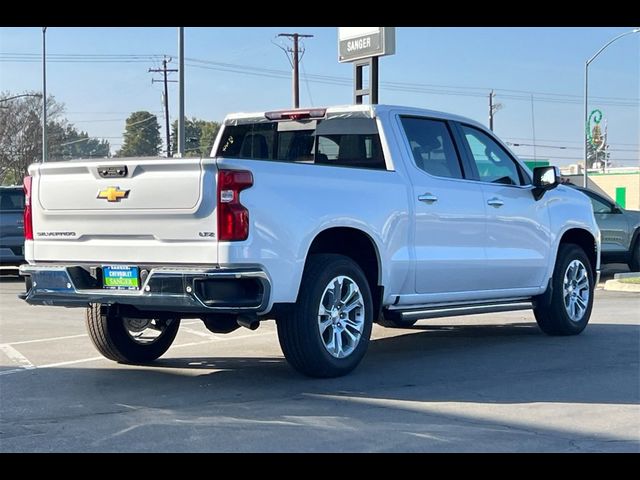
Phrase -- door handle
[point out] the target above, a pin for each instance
(428, 198)
(495, 202)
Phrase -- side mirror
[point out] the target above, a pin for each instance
(544, 178)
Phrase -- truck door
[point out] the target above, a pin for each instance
(449, 213)
(518, 227)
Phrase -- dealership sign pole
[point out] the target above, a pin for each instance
(362, 46)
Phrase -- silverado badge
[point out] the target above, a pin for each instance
(113, 194)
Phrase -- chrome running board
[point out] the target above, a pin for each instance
(457, 310)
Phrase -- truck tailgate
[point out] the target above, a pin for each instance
(133, 210)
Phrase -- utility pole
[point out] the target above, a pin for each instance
(493, 108)
(165, 70)
(181, 146)
(294, 63)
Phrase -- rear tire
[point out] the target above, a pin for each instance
(327, 331)
(112, 336)
(634, 263)
(568, 310)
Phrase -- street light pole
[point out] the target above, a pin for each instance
(44, 94)
(20, 96)
(586, 93)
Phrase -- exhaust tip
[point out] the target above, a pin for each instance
(246, 321)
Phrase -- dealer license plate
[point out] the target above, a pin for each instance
(120, 277)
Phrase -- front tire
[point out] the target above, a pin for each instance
(568, 310)
(634, 263)
(327, 331)
(129, 340)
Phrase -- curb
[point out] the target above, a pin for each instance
(617, 286)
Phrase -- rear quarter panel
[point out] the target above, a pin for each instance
(290, 204)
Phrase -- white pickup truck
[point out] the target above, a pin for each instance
(326, 220)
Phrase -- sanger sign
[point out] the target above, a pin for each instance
(355, 43)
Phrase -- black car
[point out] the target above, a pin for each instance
(11, 226)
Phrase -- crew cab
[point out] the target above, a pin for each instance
(324, 220)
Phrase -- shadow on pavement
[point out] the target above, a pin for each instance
(432, 365)
(449, 363)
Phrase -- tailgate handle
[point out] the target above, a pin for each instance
(113, 171)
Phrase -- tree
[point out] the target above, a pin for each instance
(199, 136)
(78, 144)
(21, 133)
(208, 136)
(141, 136)
(21, 136)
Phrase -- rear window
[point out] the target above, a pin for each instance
(11, 199)
(340, 142)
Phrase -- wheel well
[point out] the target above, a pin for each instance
(358, 246)
(583, 239)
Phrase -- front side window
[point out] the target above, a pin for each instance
(432, 147)
(493, 163)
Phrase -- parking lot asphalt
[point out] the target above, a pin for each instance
(478, 383)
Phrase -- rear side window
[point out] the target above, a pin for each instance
(254, 140)
(11, 199)
(432, 147)
(340, 142)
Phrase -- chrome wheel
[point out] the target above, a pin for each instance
(145, 331)
(575, 290)
(341, 316)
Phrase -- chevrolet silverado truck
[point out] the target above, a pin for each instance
(324, 220)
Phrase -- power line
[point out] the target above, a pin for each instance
(548, 97)
(560, 147)
(566, 141)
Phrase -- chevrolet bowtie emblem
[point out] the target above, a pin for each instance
(113, 194)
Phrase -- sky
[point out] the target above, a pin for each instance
(104, 76)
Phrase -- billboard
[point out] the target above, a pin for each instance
(355, 43)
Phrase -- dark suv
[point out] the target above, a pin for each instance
(619, 228)
(11, 226)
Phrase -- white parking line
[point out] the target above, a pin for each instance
(26, 365)
(198, 333)
(16, 356)
(51, 339)
(70, 362)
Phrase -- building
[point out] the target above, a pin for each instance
(620, 184)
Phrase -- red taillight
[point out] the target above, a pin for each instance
(233, 217)
(28, 225)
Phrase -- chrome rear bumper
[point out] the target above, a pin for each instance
(171, 289)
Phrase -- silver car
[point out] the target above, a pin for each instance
(619, 228)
